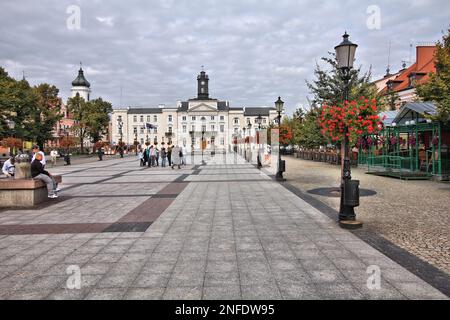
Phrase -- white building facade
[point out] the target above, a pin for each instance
(189, 122)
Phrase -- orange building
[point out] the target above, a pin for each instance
(405, 81)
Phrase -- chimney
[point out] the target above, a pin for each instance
(423, 55)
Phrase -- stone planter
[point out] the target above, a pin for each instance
(22, 170)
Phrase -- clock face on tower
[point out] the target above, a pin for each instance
(202, 83)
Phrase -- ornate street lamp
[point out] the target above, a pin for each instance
(345, 55)
(249, 125)
(258, 157)
(279, 104)
(245, 143)
(120, 126)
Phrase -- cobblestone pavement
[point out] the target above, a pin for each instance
(414, 215)
(218, 231)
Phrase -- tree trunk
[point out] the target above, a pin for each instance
(81, 145)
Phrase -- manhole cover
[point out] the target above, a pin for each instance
(336, 192)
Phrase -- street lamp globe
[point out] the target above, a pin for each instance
(345, 53)
(279, 105)
(259, 120)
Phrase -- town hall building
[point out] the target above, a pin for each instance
(189, 121)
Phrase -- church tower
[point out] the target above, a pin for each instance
(203, 93)
(81, 86)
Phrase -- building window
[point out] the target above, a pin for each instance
(213, 118)
(142, 140)
(142, 118)
(184, 129)
(213, 128)
(193, 128)
(264, 120)
(170, 129)
(248, 120)
(222, 128)
(203, 119)
(142, 130)
(184, 118)
(222, 141)
(135, 130)
(148, 119)
(134, 118)
(236, 130)
(204, 128)
(222, 118)
(170, 118)
(155, 118)
(193, 118)
(184, 142)
(236, 120)
(155, 130)
(213, 140)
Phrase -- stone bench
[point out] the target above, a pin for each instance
(23, 192)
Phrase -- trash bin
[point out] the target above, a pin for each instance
(283, 165)
(351, 193)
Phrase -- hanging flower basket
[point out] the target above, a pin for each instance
(360, 117)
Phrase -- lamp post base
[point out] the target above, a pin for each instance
(350, 224)
(279, 177)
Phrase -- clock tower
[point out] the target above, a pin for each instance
(203, 80)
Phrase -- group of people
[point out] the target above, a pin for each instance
(38, 171)
(151, 156)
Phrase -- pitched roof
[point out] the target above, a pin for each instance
(412, 109)
(256, 111)
(137, 110)
(424, 65)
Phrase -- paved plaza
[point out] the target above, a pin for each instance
(412, 214)
(223, 230)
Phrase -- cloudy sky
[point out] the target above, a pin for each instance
(253, 50)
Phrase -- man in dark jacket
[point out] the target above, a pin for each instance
(38, 172)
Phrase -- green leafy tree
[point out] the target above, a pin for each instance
(437, 89)
(46, 114)
(307, 133)
(328, 87)
(77, 106)
(98, 119)
(91, 118)
(389, 100)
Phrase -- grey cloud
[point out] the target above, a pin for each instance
(253, 50)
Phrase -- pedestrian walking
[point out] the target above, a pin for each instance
(145, 156)
(141, 157)
(100, 154)
(157, 156)
(177, 154)
(38, 173)
(151, 153)
(53, 156)
(183, 157)
(163, 157)
(169, 155)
